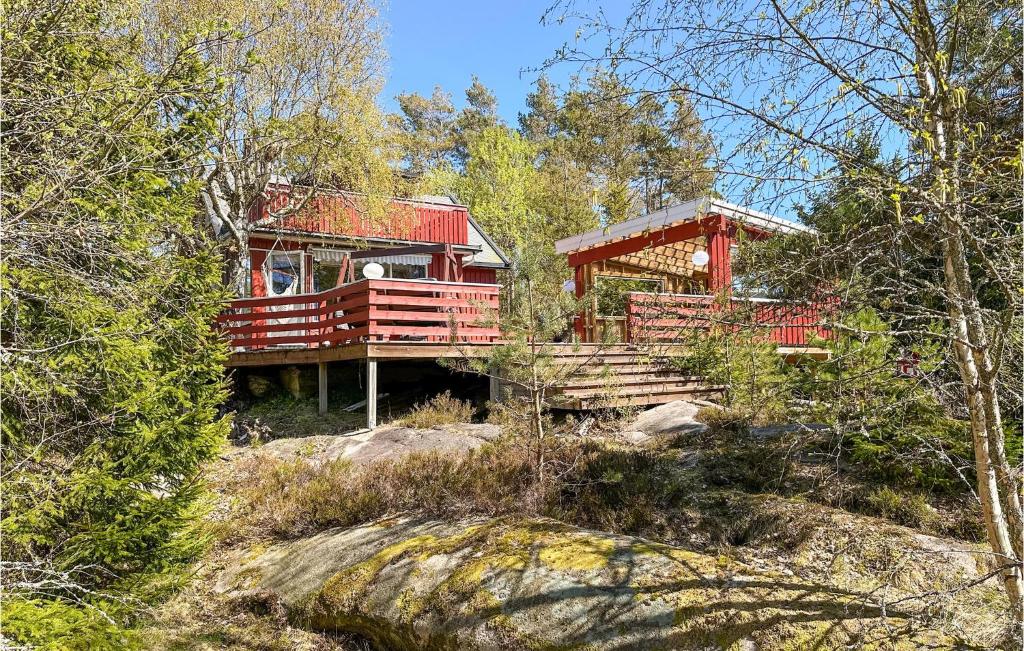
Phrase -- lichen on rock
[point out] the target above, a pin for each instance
(539, 584)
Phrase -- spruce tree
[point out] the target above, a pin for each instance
(112, 373)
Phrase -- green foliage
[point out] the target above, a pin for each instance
(442, 409)
(497, 185)
(911, 510)
(58, 626)
(599, 153)
(759, 382)
(113, 374)
(893, 425)
(611, 292)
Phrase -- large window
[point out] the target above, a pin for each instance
(402, 270)
(325, 272)
(325, 275)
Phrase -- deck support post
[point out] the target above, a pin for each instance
(321, 381)
(494, 385)
(371, 393)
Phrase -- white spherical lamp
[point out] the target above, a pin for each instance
(700, 258)
(373, 271)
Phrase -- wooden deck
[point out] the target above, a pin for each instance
(381, 320)
(379, 350)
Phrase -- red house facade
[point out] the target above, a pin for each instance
(304, 251)
(311, 286)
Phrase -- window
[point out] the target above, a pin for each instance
(399, 270)
(327, 265)
(325, 276)
(285, 271)
(393, 269)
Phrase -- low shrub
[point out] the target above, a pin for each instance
(442, 409)
(293, 498)
(588, 484)
(910, 509)
(632, 491)
(728, 419)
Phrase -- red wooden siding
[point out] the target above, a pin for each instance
(340, 214)
(480, 275)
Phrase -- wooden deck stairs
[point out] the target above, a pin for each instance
(619, 376)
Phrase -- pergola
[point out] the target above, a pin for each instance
(661, 246)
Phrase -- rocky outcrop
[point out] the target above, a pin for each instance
(679, 417)
(383, 442)
(538, 584)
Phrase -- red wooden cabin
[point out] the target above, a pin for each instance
(306, 282)
(661, 275)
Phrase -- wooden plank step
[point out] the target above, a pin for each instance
(620, 360)
(637, 390)
(631, 369)
(628, 380)
(641, 401)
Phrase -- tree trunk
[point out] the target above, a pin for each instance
(983, 433)
(997, 491)
(239, 267)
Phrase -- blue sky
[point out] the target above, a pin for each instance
(446, 43)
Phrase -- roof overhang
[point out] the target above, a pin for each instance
(675, 215)
(486, 242)
(305, 236)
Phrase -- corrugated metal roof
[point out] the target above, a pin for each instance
(678, 214)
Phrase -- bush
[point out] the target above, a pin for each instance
(758, 381)
(725, 419)
(112, 372)
(442, 409)
(911, 510)
(894, 427)
(64, 626)
(293, 498)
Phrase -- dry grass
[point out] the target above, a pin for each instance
(588, 484)
(442, 409)
(719, 493)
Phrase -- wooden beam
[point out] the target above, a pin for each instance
(279, 356)
(371, 393)
(321, 369)
(670, 235)
(398, 250)
(580, 280)
(494, 386)
(720, 258)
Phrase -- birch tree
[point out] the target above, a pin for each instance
(299, 87)
(791, 88)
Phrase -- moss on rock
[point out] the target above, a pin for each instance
(539, 584)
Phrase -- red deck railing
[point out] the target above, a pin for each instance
(367, 310)
(666, 317)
